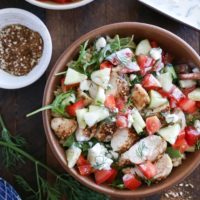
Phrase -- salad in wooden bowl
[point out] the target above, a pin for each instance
(118, 115)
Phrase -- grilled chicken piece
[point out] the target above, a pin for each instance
(148, 148)
(123, 139)
(140, 97)
(105, 131)
(164, 167)
(63, 127)
(119, 87)
(85, 134)
(86, 99)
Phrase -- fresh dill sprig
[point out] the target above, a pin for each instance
(140, 149)
(64, 186)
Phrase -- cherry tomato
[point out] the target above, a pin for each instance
(112, 177)
(106, 64)
(153, 125)
(110, 102)
(131, 182)
(187, 105)
(148, 169)
(102, 176)
(191, 135)
(150, 82)
(71, 109)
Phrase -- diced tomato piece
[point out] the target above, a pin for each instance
(148, 169)
(106, 64)
(122, 122)
(66, 88)
(145, 63)
(153, 125)
(120, 104)
(85, 170)
(181, 143)
(191, 135)
(186, 91)
(162, 92)
(187, 105)
(110, 102)
(131, 182)
(150, 82)
(82, 161)
(113, 176)
(71, 109)
(154, 44)
(102, 176)
(141, 60)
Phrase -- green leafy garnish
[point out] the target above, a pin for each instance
(173, 153)
(148, 182)
(69, 141)
(140, 149)
(59, 104)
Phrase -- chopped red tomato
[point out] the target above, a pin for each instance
(66, 88)
(162, 92)
(110, 102)
(150, 82)
(187, 105)
(113, 176)
(131, 182)
(191, 135)
(85, 170)
(181, 143)
(198, 104)
(82, 161)
(102, 176)
(153, 125)
(71, 109)
(120, 104)
(148, 169)
(186, 91)
(145, 63)
(106, 64)
(121, 122)
(154, 44)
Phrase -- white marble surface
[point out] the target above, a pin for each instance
(187, 11)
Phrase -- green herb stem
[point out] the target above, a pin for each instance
(39, 110)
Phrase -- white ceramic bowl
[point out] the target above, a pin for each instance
(18, 16)
(56, 6)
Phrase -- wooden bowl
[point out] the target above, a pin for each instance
(167, 40)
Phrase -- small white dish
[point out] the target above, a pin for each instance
(185, 11)
(56, 6)
(10, 16)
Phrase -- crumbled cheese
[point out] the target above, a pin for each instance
(197, 125)
(130, 120)
(97, 157)
(100, 43)
(156, 53)
(171, 118)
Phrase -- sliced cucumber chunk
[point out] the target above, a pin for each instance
(138, 122)
(169, 68)
(194, 95)
(73, 77)
(170, 133)
(80, 117)
(143, 48)
(165, 80)
(187, 83)
(156, 100)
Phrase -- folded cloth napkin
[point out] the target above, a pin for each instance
(7, 192)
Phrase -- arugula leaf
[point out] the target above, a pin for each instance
(173, 153)
(69, 141)
(148, 182)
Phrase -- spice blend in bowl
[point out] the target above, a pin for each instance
(20, 49)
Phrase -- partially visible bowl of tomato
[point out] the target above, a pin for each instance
(59, 4)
